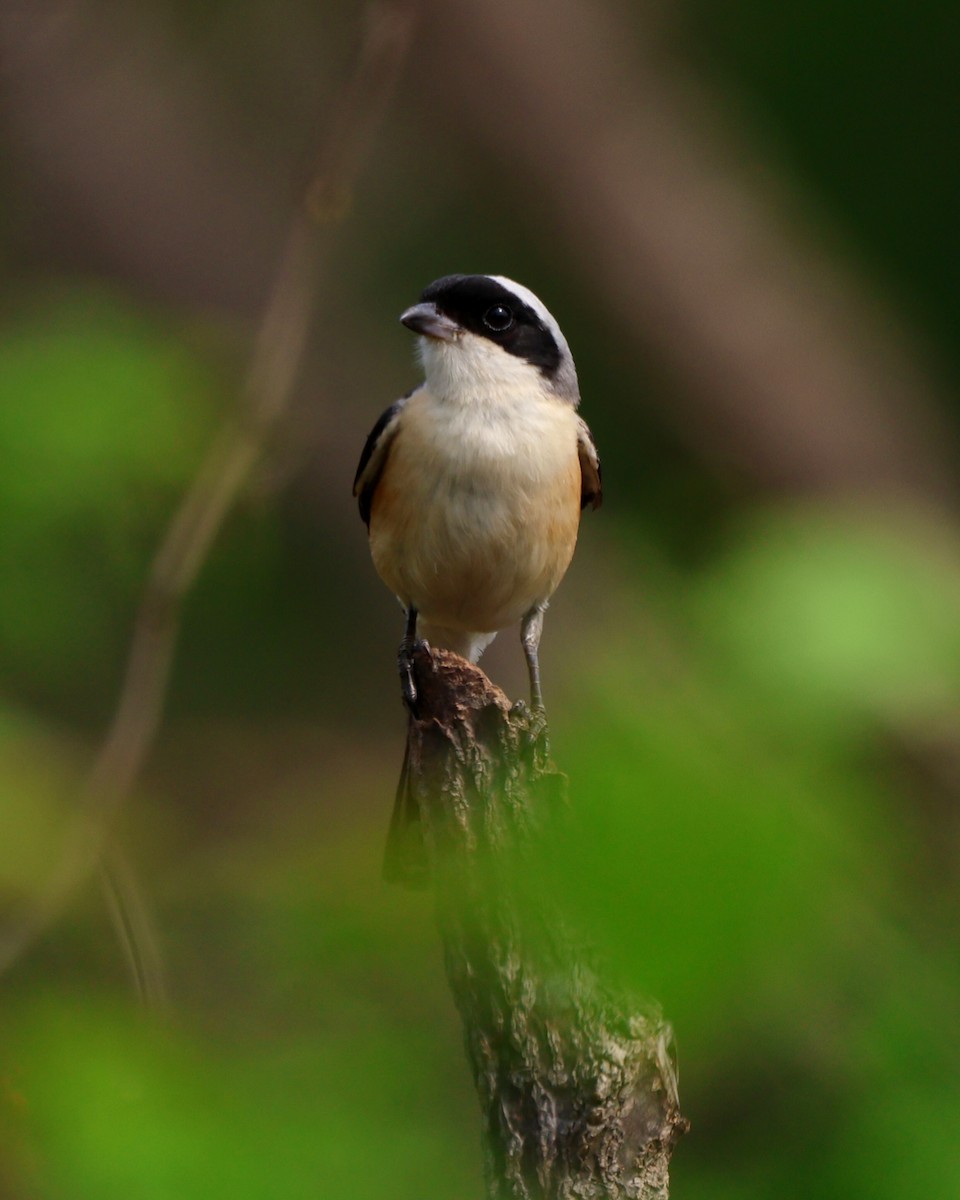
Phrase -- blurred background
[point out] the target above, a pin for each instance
(743, 216)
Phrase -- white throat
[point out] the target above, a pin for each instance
(472, 370)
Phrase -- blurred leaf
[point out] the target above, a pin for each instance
(104, 417)
(705, 866)
(834, 615)
(333, 1091)
(900, 1139)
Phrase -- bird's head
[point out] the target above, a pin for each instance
(485, 331)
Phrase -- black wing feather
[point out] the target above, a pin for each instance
(591, 488)
(365, 481)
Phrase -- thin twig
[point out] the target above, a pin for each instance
(133, 926)
(272, 373)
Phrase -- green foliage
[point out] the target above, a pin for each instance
(37, 776)
(316, 1079)
(737, 851)
(113, 1108)
(104, 416)
(833, 616)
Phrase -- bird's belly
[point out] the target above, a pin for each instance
(475, 541)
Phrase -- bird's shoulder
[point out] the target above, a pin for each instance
(374, 455)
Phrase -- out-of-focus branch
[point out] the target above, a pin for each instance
(272, 373)
(786, 368)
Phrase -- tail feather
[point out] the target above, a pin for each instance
(405, 858)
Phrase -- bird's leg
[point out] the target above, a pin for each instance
(405, 660)
(530, 630)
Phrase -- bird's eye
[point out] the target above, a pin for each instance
(499, 318)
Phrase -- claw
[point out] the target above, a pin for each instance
(536, 734)
(408, 646)
(537, 731)
(408, 686)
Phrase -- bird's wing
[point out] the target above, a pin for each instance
(374, 457)
(591, 491)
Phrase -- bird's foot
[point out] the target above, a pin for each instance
(537, 734)
(408, 684)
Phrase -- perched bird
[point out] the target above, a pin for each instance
(471, 486)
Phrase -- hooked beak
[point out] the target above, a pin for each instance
(428, 320)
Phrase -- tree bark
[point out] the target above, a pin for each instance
(576, 1084)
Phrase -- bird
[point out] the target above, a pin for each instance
(471, 487)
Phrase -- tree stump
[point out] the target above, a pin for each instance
(577, 1084)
